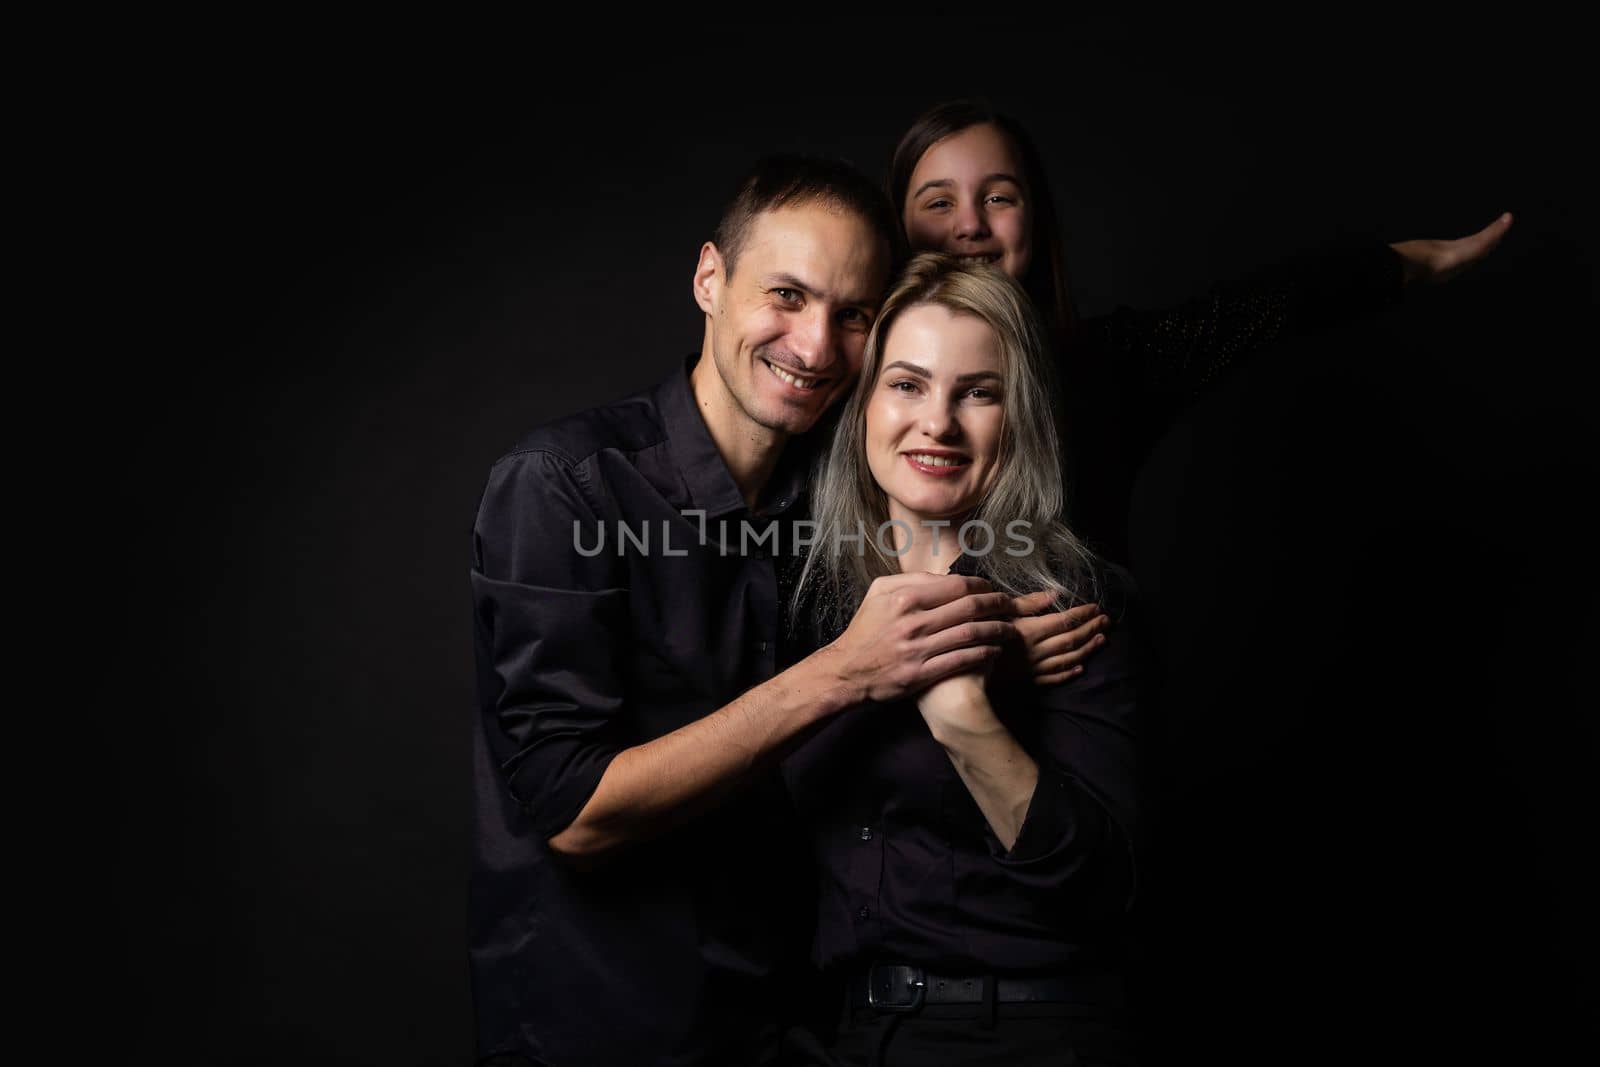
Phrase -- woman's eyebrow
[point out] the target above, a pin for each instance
(961, 379)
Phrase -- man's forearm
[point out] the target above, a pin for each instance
(651, 787)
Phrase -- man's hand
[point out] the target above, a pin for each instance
(1439, 261)
(912, 630)
(1055, 644)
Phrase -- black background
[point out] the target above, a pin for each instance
(1369, 555)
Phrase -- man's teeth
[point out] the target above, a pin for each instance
(798, 383)
(937, 461)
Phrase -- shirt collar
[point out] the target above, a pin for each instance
(711, 487)
(967, 564)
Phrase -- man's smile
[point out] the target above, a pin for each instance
(792, 380)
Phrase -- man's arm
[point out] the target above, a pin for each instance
(910, 631)
(554, 622)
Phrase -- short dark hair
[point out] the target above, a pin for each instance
(791, 180)
(1047, 274)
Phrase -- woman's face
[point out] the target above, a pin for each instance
(935, 416)
(966, 197)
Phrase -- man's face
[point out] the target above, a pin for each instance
(788, 327)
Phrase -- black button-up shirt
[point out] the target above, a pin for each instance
(910, 871)
(667, 954)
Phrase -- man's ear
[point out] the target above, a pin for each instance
(709, 278)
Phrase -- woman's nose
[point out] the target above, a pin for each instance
(940, 423)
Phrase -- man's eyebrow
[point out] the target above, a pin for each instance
(781, 280)
(784, 280)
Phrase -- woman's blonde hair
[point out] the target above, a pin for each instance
(1027, 485)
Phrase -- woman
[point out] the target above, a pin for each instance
(975, 846)
(968, 181)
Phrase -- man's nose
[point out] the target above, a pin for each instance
(813, 339)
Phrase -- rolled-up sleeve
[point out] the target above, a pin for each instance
(1082, 822)
(550, 622)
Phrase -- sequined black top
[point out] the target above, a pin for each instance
(1126, 375)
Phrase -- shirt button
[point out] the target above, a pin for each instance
(863, 913)
(866, 833)
(761, 646)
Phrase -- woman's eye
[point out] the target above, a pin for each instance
(981, 393)
(909, 386)
(936, 205)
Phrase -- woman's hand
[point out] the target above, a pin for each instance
(958, 705)
(1439, 261)
(1054, 645)
(997, 771)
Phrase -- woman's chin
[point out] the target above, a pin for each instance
(933, 509)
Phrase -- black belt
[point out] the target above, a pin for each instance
(894, 987)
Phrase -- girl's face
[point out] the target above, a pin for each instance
(966, 197)
(935, 416)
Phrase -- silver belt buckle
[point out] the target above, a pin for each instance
(884, 982)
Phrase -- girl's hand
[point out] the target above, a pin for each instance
(1055, 644)
(1439, 261)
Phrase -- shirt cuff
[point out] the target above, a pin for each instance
(1055, 820)
(553, 782)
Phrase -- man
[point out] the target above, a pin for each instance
(634, 876)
